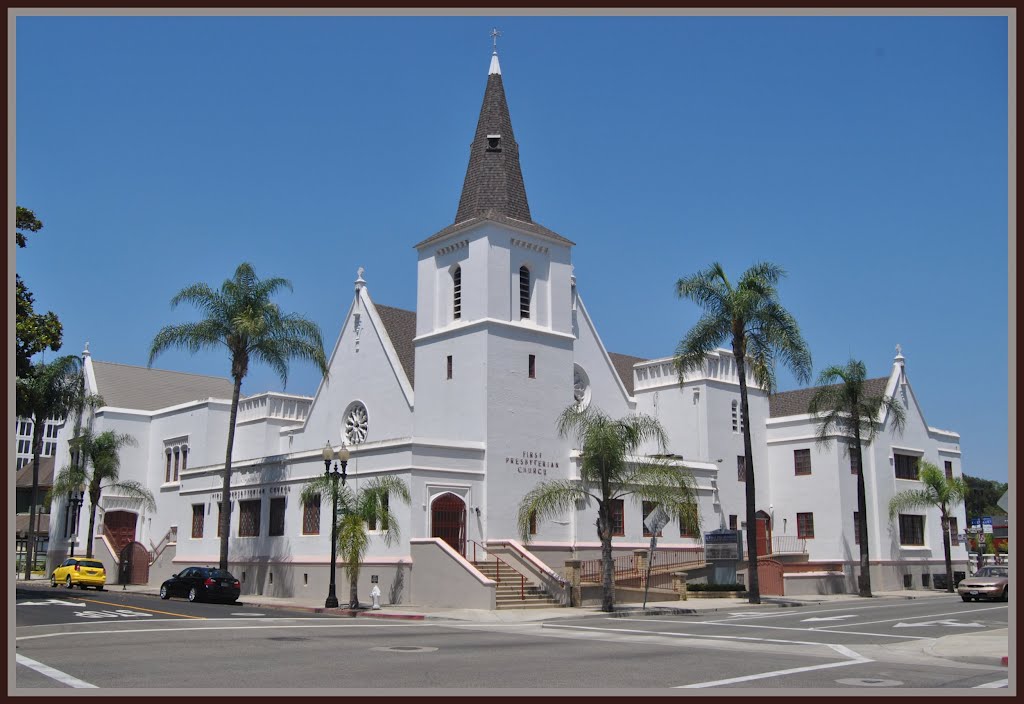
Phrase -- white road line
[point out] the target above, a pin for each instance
(998, 684)
(819, 611)
(908, 618)
(52, 673)
(776, 673)
(683, 635)
(122, 631)
(777, 628)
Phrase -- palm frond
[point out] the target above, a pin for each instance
(133, 490)
(709, 333)
(910, 499)
(547, 500)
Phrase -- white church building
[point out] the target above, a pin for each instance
(459, 399)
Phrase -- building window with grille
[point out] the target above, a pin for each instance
(167, 471)
(802, 462)
(385, 504)
(949, 469)
(184, 458)
(249, 518)
(805, 525)
(954, 531)
(524, 292)
(684, 530)
(732, 521)
(741, 468)
(220, 508)
(737, 418)
(856, 527)
(277, 506)
(854, 460)
(906, 466)
(198, 516)
(457, 296)
(533, 523)
(646, 507)
(449, 366)
(532, 366)
(616, 511)
(311, 517)
(911, 529)
(177, 462)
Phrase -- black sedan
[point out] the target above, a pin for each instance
(202, 584)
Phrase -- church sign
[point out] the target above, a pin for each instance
(722, 545)
(530, 462)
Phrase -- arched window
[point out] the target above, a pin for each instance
(457, 288)
(737, 418)
(524, 292)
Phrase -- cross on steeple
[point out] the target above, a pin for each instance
(494, 37)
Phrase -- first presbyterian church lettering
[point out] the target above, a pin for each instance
(531, 463)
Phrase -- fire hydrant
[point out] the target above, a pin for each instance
(375, 595)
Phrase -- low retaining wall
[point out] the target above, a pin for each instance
(444, 578)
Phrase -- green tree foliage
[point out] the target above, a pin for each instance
(48, 392)
(841, 406)
(242, 318)
(34, 332)
(611, 470)
(937, 492)
(100, 453)
(357, 511)
(761, 331)
(983, 495)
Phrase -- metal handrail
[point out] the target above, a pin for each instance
(498, 562)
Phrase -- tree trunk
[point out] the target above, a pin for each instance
(30, 540)
(353, 589)
(753, 589)
(864, 580)
(945, 547)
(225, 492)
(94, 501)
(604, 533)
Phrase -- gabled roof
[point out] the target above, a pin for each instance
(400, 326)
(495, 216)
(794, 403)
(23, 479)
(623, 364)
(125, 386)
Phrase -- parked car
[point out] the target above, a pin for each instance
(83, 571)
(202, 584)
(990, 582)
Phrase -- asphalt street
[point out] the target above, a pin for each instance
(121, 640)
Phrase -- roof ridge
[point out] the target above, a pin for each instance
(159, 369)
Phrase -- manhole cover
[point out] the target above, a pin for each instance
(405, 649)
(869, 682)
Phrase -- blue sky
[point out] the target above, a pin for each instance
(867, 156)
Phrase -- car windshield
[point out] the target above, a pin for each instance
(991, 572)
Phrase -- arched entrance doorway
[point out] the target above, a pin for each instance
(764, 533)
(120, 526)
(448, 521)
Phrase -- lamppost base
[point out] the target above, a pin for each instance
(331, 603)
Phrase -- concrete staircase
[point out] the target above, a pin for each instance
(510, 594)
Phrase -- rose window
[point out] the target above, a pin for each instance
(356, 424)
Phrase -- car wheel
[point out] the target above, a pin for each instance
(67, 582)
(966, 598)
(53, 580)
(193, 594)
(1006, 594)
(164, 594)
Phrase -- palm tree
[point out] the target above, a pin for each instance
(938, 492)
(609, 471)
(242, 318)
(751, 317)
(49, 392)
(357, 511)
(103, 452)
(842, 405)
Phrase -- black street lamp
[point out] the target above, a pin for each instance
(342, 457)
(75, 500)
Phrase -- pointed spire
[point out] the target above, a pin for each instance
(494, 179)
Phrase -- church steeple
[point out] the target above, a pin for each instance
(494, 180)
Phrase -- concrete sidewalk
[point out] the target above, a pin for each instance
(987, 648)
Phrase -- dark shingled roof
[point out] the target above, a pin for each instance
(494, 216)
(400, 326)
(794, 403)
(23, 479)
(624, 368)
(124, 386)
(494, 180)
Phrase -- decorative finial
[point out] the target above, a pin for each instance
(494, 38)
(85, 352)
(359, 273)
(899, 351)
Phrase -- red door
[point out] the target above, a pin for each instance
(121, 528)
(448, 521)
(769, 578)
(764, 536)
